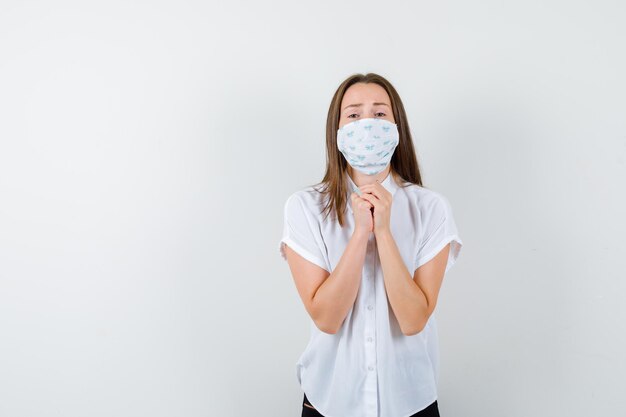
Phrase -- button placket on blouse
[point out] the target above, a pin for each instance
(371, 394)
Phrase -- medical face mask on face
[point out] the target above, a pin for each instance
(368, 144)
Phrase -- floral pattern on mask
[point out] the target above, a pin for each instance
(368, 144)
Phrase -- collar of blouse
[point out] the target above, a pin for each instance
(389, 184)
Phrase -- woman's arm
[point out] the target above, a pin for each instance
(412, 299)
(328, 297)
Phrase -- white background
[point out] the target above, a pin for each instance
(147, 149)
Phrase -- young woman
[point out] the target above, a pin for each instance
(368, 248)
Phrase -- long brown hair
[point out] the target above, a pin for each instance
(404, 166)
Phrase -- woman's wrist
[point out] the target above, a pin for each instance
(383, 233)
(361, 234)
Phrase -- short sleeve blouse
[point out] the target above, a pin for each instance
(369, 368)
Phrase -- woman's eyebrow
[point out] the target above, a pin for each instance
(360, 104)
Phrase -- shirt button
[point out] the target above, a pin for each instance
(370, 307)
(371, 368)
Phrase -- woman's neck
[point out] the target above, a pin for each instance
(361, 179)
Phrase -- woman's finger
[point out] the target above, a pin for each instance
(371, 198)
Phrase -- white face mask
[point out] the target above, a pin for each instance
(368, 144)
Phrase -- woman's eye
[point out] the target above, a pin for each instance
(349, 116)
(383, 114)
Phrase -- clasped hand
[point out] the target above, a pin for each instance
(373, 208)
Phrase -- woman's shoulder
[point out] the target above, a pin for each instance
(309, 197)
(425, 198)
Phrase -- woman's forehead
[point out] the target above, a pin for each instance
(361, 93)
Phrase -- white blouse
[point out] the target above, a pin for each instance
(369, 368)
